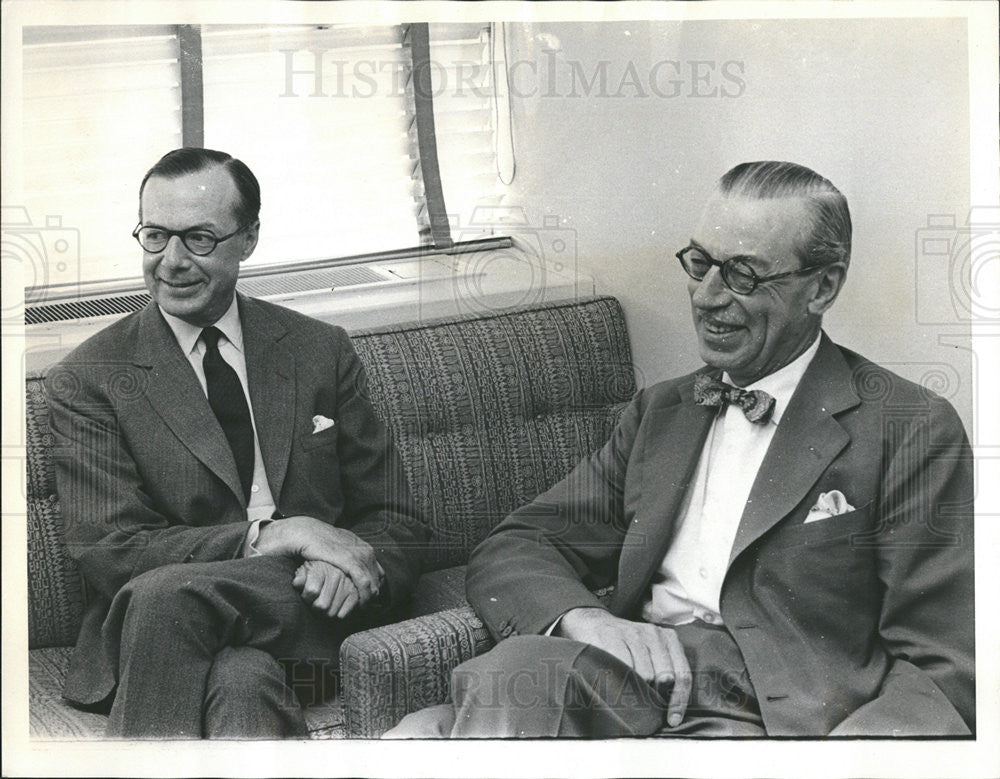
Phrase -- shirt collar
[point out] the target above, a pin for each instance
(782, 383)
(187, 335)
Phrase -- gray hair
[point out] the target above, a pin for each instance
(830, 240)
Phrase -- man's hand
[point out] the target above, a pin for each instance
(312, 539)
(326, 588)
(653, 652)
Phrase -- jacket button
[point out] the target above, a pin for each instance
(506, 631)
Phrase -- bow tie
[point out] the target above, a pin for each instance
(757, 405)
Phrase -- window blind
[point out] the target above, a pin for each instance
(314, 112)
(323, 114)
(464, 121)
(101, 104)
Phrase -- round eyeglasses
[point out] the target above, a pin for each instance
(737, 274)
(197, 240)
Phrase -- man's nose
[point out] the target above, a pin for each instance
(711, 291)
(175, 253)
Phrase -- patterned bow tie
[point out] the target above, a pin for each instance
(757, 405)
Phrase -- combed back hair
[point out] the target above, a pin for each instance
(830, 240)
(180, 162)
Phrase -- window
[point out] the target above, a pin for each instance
(325, 116)
(101, 104)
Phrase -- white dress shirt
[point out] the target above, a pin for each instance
(261, 505)
(688, 584)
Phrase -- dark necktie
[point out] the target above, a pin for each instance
(226, 397)
(757, 405)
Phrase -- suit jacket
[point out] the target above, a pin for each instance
(856, 624)
(147, 478)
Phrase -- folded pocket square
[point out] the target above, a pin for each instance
(829, 504)
(321, 423)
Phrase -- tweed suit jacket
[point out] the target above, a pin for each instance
(146, 477)
(860, 623)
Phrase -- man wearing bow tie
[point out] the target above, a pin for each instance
(233, 502)
(786, 534)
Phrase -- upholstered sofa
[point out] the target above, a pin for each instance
(487, 410)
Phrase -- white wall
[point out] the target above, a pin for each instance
(880, 107)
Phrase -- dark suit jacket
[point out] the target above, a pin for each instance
(861, 622)
(146, 476)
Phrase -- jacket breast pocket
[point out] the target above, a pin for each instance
(316, 470)
(817, 577)
(312, 441)
(835, 530)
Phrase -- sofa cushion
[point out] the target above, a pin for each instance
(488, 412)
(470, 478)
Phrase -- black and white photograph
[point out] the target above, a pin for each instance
(500, 389)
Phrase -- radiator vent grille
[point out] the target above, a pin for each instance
(84, 309)
(261, 286)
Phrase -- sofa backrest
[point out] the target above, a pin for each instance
(55, 588)
(486, 411)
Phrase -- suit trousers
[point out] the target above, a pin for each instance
(220, 649)
(548, 687)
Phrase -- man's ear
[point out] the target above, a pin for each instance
(828, 284)
(250, 236)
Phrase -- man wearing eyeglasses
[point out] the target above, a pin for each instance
(785, 534)
(233, 502)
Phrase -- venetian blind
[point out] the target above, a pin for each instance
(324, 115)
(101, 104)
(464, 115)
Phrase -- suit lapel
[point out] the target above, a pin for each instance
(805, 443)
(271, 377)
(675, 438)
(175, 394)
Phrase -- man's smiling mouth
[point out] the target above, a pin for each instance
(179, 284)
(718, 328)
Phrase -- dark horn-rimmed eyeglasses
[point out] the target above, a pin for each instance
(736, 272)
(197, 240)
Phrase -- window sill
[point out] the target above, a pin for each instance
(405, 290)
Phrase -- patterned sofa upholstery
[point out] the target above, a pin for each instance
(486, 410)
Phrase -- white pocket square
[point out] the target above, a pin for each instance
(321, 423)
(829, 504)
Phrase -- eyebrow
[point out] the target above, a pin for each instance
(744, 257)
(200, 226)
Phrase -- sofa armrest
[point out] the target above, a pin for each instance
(390, 671)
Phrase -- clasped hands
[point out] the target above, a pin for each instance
(339, 571)
(653, 652)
